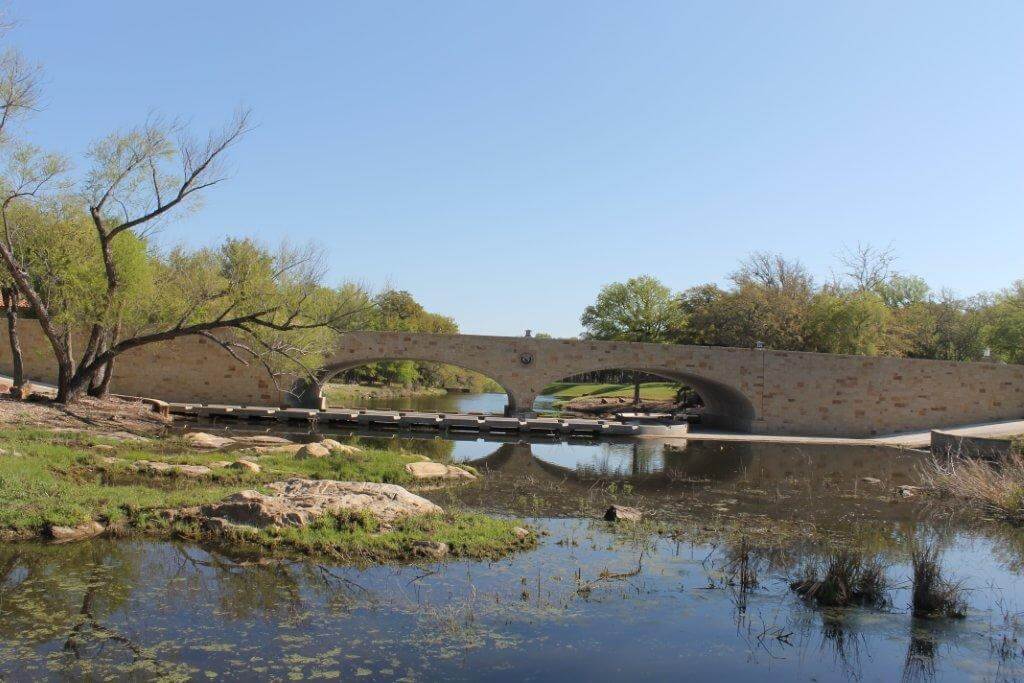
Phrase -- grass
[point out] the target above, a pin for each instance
(359, 538)
(844, 578)
(996, 486)
(652, 391)
(336, 393)
(934, 596)
(49, 479)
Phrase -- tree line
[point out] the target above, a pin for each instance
(866, 307)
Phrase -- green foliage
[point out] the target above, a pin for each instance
(1005, 329)
(639, 310)
(846, 322)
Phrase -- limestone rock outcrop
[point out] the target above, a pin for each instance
(297, 502)
(437, 470)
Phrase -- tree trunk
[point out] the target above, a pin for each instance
(10, 299)
(636, 388)
(100, 383)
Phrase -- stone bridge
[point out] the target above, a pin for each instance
(753, 390)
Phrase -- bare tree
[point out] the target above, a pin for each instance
(773, 271)
(867, 266)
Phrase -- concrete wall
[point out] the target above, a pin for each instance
(187, 369)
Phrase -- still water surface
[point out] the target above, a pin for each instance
(591, 601)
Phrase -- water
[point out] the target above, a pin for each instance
(445, 403)
(592, 601)
(492, 403)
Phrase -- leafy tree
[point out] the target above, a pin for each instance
(850, 322)
(641, 309)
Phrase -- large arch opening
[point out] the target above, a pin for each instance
(405, 384)
(608, 391)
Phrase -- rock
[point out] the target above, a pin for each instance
(297, 502)
(622, 513)
(204, 440)
(431, 550)
(76, 533)
(330, 444)
(110, 460)
(127, 436)
(521, 533)
(247, 465)
(437, 470)
(220, 464)
(908, 491)
(871, 480)
(102, 447)
(262, 440)
(191, 471)
(265, 450)
(312, 450)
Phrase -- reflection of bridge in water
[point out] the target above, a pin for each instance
(654, 463)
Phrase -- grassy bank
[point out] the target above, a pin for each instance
(995, 487)
(339, 393)
(68, 479)
(651, 391)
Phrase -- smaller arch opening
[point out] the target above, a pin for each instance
(609, 391)
(699, 399)
(407, 385)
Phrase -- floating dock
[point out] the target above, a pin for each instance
(386, 420)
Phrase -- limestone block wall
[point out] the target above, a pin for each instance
(186, 369)
(763, 391)
(816, 393)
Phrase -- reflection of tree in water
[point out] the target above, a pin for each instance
(70, 594)
(920, 661)
(838, 635)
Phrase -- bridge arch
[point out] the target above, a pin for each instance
(724, 405)
(309, 394)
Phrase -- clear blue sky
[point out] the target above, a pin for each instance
(502, 161)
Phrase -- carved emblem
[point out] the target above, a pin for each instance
(526, 358)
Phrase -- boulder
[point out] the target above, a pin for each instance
(262, 440)
(622, 513)
(76, 533)
(220, 464)
(297, 502)
(191, 471)
(204, 440)
(127, 436)
(431, 550)
(437, 470)
(267, 450)
(521, 533)
(312, 450)
(245, 465)
(338, 447)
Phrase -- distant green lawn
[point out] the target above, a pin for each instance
(654, 391)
